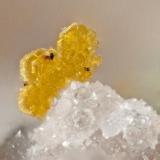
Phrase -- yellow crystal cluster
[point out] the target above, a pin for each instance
(46, 72)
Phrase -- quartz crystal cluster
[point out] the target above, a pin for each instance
(91, 121)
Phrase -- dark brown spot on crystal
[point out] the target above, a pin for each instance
(87, 69)
(51, 56)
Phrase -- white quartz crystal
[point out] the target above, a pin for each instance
(90, 121)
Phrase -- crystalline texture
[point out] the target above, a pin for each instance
(46, 72)
(92, 122)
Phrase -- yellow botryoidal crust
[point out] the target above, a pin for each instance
(46, 72)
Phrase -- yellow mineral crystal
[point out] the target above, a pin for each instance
(46, 72)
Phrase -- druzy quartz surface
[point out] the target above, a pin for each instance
(46, 72)
(90, 121)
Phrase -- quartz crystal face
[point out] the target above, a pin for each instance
(46, 72)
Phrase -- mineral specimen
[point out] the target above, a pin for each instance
(47, 71)
(90, 121)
